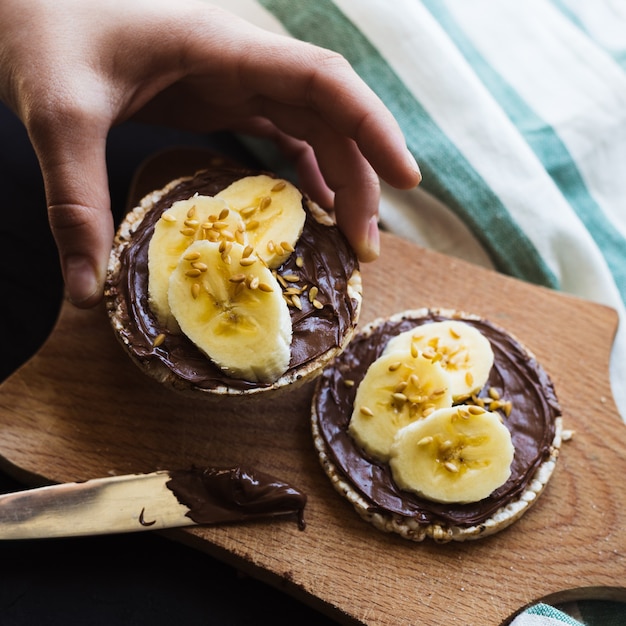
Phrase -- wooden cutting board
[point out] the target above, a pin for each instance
(80, 409)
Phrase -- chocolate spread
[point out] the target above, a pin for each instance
(223, 495)
(515, 375)
(327, 262)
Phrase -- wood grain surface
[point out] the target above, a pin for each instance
(80, 409)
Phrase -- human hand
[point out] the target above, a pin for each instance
(71, 69)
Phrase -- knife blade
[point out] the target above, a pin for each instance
(153, 501)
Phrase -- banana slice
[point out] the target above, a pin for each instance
(396, 390)
(230, 305)
(459, 454)
(461, 349)
(271, 210)
(186, 221)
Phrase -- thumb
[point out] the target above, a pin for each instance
(74, 171)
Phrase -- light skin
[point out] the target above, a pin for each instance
(72, 69)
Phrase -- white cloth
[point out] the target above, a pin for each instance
(536, 620)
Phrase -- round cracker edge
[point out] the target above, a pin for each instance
(406, 526)
(158, 371)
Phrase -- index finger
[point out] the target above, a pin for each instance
(258, 63)
(307, 76)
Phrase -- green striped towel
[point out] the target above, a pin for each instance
(516, 113)
(583, 613)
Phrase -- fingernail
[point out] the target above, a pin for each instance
(414, 164)
(373, 238)
(80, 279)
